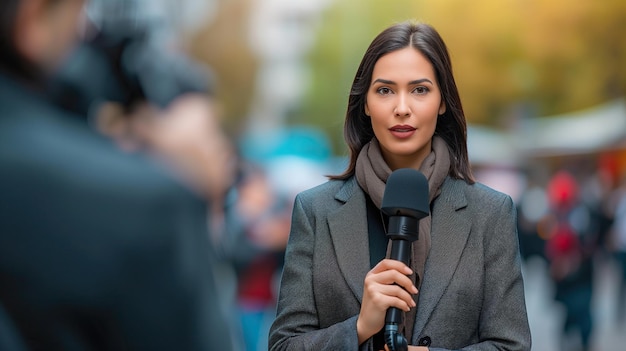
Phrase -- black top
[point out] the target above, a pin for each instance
(377, 235)
(378, 250)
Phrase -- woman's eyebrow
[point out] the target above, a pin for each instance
(384, 81)
(419, 81)
(413, 82)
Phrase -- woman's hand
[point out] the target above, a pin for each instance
(386, 285)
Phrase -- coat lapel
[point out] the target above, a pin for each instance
(348, 230)
(450, 230)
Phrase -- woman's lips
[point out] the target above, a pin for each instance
(402, 131)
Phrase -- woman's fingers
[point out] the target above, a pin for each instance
(386, 285)
(395, 292)
(397, 298)
(388, 264)
(394, 274)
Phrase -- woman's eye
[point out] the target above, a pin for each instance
(421, 90)
(383, 91)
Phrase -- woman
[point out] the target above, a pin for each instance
(404, 111)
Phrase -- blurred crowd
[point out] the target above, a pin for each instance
(573, 219)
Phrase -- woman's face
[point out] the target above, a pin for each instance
(404, 101)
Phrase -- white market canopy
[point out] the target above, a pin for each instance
(587, 131)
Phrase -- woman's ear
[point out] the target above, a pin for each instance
(367, 110)
(442, 108)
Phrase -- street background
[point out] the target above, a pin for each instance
(543, 86)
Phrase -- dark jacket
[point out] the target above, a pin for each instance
(99, 250)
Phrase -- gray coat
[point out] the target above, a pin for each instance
(472, 295)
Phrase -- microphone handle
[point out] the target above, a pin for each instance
(395, 341)
(400, 251)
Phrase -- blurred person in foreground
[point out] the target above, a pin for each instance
(140, 89)
(98, 249)
(404, 111)
(137, 86)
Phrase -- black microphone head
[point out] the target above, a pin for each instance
(406, 194)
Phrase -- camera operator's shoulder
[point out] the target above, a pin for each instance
(44, 149)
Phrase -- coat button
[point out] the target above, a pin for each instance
(425, 341)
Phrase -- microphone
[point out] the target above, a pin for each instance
(405, 201)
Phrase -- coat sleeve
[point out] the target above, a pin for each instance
(296, 326)
(504, 288)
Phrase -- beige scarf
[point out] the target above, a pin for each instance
(372, 172)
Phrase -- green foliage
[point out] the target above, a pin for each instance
(556, 56)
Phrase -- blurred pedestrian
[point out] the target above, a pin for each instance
(254, 238)
(98, 249)
(570, 247)
(618, 249)
(463, 288)
(531, 208)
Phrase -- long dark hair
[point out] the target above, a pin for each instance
(451, 126)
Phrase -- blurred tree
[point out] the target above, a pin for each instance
(224, 45)
(578, 52)
(512, 58)
(552, 56)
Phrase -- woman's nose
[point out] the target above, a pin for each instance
(402, 108)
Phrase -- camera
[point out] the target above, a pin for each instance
(125, 64)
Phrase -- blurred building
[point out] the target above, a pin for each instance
(281, 34)
(592, 138)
